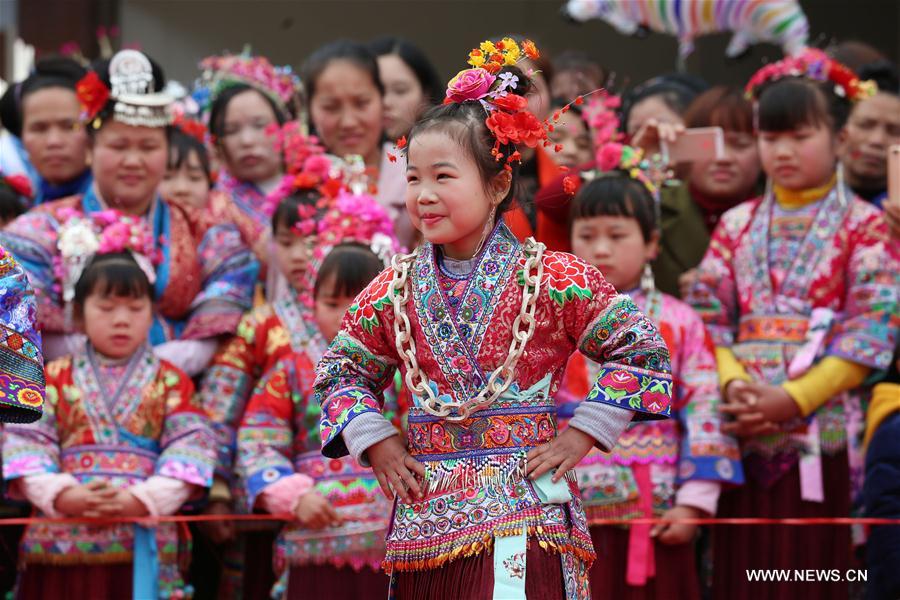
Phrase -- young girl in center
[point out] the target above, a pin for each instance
(671, 469)
(336, 547)
(121, 436)
(799, 291)
(481, 327)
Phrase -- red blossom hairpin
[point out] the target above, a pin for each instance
(19, 183)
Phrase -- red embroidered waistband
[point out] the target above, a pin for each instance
(484, 432)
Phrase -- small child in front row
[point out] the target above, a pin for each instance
(120, 436)
(336, 547)
(671, 469)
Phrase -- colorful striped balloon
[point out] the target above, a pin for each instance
(780, 22)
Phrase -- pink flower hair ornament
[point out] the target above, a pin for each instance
(280, 84)
(81, 237)
(614, 158)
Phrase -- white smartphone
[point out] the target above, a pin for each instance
(700, 143)
(893, 169)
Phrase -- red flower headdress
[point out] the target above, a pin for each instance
(509, 119)
(192, 127)
(813, 64)
(19, 184)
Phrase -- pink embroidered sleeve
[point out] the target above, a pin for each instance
(162, 495)
(42, 490)
(281, 497)
(699, 494)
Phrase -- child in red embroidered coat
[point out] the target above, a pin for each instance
(336, 546)
(673, 469)
(121, 436)
(481, 327)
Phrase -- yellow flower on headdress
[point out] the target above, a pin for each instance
(476, 58)
(511, 52)
(866, 89)
(488, 47)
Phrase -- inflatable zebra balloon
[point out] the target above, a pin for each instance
(781, 22)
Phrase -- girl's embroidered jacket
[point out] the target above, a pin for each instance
(21, 359)
(689, 448)
(462, 327)
(264, 336)
(280, 458)
(148, 428)
(785, 289)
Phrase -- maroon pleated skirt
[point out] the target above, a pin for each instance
(336, 583)
(75, 582)
(737, 549)
(676, 570)
(472, 578)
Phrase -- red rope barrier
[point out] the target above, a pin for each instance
(287, 517)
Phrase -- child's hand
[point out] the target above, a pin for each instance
(218, 531)
(774, 403)
(563, 453)
(739, 391)
(673, 534)
(651, 133)
(395, 468)
(119, 503)
(314, 512)
(686, 281)
(78, 500)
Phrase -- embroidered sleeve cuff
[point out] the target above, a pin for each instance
(647, 393)
(730, 367)
(281, 497)
(699, 494)
(42, 490)
(365, 431)
(162, 495)
(603, 422)
(831, 376)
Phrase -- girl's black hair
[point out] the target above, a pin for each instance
(219, 108)
(793, 102)
(112, 275)
(287, 213)
(348, 50)
(51, 72)
(675, 90)
(616, 195)
(11, 204)
(181, 145)
(465, 122)
(415, 59)
(352, 266)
